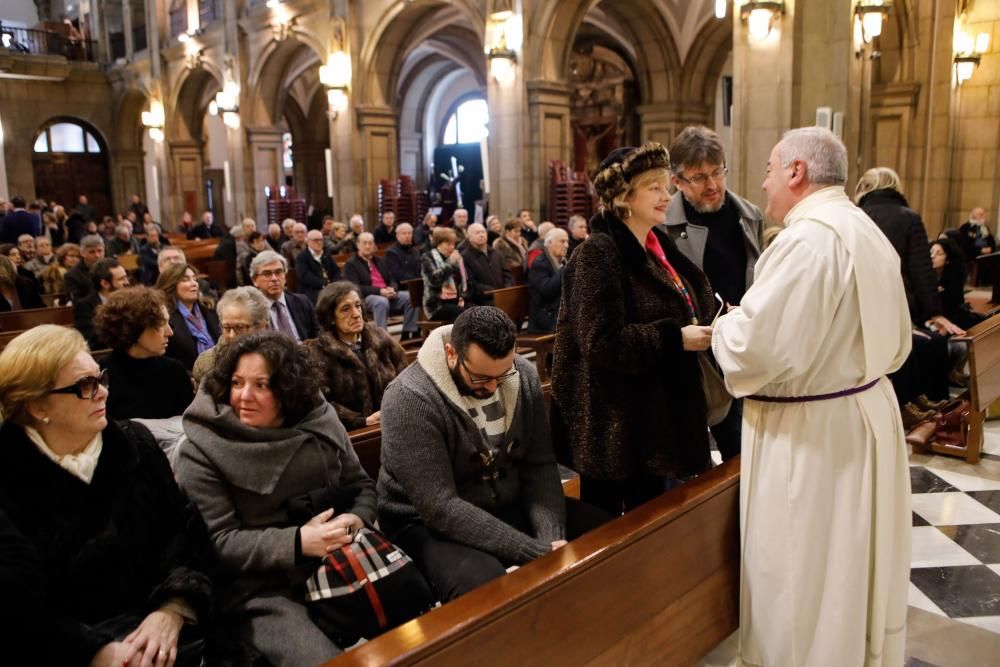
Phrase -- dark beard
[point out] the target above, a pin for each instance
(708, 209)
(464, 389)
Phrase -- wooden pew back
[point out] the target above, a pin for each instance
(514, 301)
(658, 586)
(20, 320)
(984, 387)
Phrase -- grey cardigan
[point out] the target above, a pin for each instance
(432, 471)
(691, 238)
(242, 477)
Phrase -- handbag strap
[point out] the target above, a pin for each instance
(366, 583)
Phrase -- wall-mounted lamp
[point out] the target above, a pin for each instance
(968, 53)
(759, 17)
(335, 76)
(227, 103)
(505, 33)
(153, 120)
(720, 9)
(871, 14)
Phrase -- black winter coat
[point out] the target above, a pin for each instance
(626, 397)
(314, 276)
(120, 546)
(182, 346)
(354, 383)
(905, 230)
(486, 271)
(544, 291)
(403, 262)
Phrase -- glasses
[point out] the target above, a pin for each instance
(477, 379)
(85, 388)
(701, 179)
(238, 329)
(277, 273)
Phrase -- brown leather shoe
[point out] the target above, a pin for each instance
(913, 416)
(925, 403)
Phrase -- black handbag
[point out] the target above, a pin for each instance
(363, 588)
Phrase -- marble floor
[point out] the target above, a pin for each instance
(954, 616)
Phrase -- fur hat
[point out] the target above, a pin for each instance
(624, 164)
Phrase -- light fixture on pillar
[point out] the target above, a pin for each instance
(153, 120)
(968, 53)
(335, 76)
(871, 14)
(227, 104)
(504, 35)
(759, 17)
(720, 9)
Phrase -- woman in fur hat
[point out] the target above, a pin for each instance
(628, 409)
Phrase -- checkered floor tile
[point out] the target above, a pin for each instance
(955, 569)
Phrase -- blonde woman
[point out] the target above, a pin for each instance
(626, 384)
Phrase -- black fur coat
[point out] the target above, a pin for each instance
(354, 384)
(626, 397)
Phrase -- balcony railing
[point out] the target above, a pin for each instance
(45, 43)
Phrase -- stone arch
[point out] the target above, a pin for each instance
(274, 73)
(128, 127)
(657, 62)
(704, 62)
(382, 57)
(194, 92)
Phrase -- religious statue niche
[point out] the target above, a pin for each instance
(603, 104)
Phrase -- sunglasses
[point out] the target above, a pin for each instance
(85, 388)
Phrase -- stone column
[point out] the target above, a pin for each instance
(551, 138)
(378, 127)
(265, 148)
(127, 28)
(509, 167)
(662, 122)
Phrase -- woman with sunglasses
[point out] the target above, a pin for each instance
(261, 440)
(145, 383)
(122, 557)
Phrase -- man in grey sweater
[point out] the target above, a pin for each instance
(469, 483)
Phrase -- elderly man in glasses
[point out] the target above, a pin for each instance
(469, 483)
(717, 230)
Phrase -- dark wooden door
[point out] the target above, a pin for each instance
(63, 177)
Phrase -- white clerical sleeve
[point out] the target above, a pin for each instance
(782, 322)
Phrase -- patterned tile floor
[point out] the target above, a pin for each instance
(954, 618)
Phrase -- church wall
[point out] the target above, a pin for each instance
(19, 12)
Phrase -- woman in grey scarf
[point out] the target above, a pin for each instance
(260, 439)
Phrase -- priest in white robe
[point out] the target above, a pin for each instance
(825, 486)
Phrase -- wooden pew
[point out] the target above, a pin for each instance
(984, 387)
(987, 266)
(658, 586)
(415, 286)
(20, 320)
(514, 301)
(221, 273)
(7, 336)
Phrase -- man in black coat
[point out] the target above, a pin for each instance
(107, 276)
(315, 267)
(18, 222)
(387, 230)
(379, 291)
(290, 313)
(545, 274)
(77, 279)
(484, 266)
(402, 260)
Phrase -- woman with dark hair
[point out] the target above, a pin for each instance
(949, 266)
(118, 559)
(16, 291)
(445, 281)
(357, 359)
(627, 397)
(144, 383)
(260, 437)
(192, 316)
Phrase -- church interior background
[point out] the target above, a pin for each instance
(357, 106)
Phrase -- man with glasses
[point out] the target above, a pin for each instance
(290, 313)
(469, 483)
(717, 230)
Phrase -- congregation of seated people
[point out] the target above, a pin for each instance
(217, 408)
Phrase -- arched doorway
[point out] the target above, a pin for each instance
(71, 159)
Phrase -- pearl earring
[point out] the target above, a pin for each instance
(45, 420)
